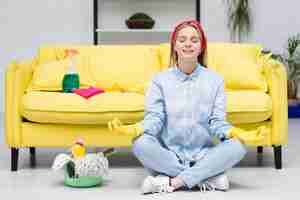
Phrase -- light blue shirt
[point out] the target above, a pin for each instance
(185, 111)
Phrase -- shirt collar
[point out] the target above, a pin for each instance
(183, 76)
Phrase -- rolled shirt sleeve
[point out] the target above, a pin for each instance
(154, 113)
(217, 124)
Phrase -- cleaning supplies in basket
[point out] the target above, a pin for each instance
(83, 169)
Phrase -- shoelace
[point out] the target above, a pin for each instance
(207, 187)
(162, 187)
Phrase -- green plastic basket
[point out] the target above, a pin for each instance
(83, 181)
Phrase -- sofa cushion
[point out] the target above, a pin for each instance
(248, 106)
(48, 53)
(124, 66)
(49, 76)
(237, 63)
(70, 108)
(111, 67)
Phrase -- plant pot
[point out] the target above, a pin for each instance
(139, 23)
(292, 89)
(293, 102)
(294, 108)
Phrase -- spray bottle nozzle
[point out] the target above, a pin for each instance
(72, 54)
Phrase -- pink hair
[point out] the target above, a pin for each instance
(197, 26)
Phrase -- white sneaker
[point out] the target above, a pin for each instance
(219, 182)
(158, 184)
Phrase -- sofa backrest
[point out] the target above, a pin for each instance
(237, 63)
(125, 66)
(109, 66)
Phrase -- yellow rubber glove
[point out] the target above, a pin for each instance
(252, 137)
(117, 126)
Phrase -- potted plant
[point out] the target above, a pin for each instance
(291, 59)
(239, 19)
(140, 21)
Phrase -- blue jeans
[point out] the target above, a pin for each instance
(219, 158)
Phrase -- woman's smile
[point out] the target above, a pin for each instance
(188, 51)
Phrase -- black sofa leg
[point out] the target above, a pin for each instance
(260, 149)
(32, 157)
(14, 159)
(259, 156)
(277, 157)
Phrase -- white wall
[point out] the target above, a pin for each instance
(214, 20)
(25, 25)
(274, 22)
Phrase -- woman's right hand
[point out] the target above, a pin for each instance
(117, 126)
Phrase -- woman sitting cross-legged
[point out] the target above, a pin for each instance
(185, 108)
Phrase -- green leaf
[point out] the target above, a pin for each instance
(239, 21)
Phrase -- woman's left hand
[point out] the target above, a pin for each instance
(253, 136)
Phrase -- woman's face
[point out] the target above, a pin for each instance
(188, 44)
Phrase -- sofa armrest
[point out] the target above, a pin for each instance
(277, 87)
(17, 78)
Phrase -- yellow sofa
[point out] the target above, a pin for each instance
(38, 114)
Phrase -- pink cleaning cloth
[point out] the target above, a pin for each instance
(88, 92)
